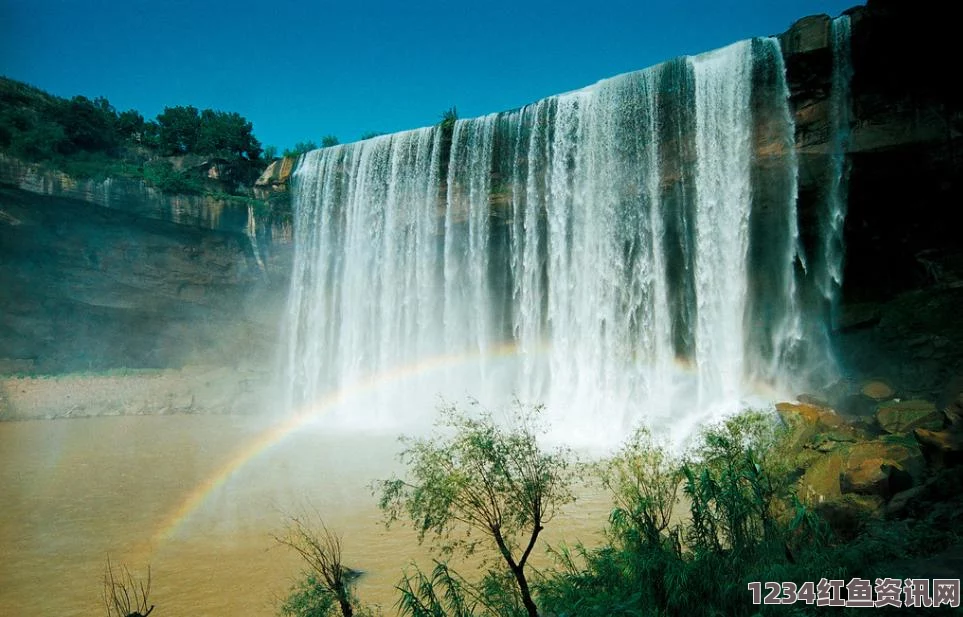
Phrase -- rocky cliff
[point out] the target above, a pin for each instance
(903, 277)
(113, 273)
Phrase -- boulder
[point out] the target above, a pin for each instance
(901, 501)
(868, 477)
(940, 448)
(877, 390)
(847, 514)
(858, 406)
(832, 440)
(883, 468)
(952, 402)
(806, 422)
(820, 481)
(805, 414)
(904, 416)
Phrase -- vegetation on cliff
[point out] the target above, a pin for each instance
(86, 138)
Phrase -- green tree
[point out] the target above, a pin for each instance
(131, 126)
(644, 479)
(228, 135)
(88, 125)
(300, 148)
(485, 482)
(178, 130)
(329, 140)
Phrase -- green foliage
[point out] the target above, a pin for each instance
(733, 499)
(300, 148)
(743, 519)
(485, 478)
(309, 598)
(644, 479)
(89, 126)
(38, 127)
(448, 118)
(445, 593)
(371, 135)
(161, 174)
(185, 130)
(328, 141)
(131, 127)
(270, 153)
(484, 483)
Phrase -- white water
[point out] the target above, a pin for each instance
(838, 191)
(611, 252)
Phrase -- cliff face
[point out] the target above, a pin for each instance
(903, 274)
(102, 274)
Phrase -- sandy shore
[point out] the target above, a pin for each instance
(196, 389)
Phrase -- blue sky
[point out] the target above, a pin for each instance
(300, 70)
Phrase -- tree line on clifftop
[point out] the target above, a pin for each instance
(91, 139)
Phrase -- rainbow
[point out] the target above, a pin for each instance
(279, 432)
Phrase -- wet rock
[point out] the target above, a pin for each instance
(904, 416)
(828, 442)
(277, 173)
(858, 406)
(847, 514)
(940, 448)
(814, 399)
(883, 467)
(867, 477)
(900, 501)
(952, 403)
(877, 390)
(805, 422)
(820, 482)
(795, 414)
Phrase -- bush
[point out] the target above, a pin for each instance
(309, 598)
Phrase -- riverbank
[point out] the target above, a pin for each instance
(190, 390)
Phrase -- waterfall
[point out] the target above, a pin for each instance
(626, 253)
(838, 190)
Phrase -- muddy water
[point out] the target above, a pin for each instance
(193, 498)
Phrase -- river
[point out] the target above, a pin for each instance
(199, 499)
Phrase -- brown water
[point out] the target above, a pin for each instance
(74, 491)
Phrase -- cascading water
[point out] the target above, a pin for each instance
(625, 253)
(838, 191)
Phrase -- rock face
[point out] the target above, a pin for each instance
(275, 177)
(903, 278)
(96, 275)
